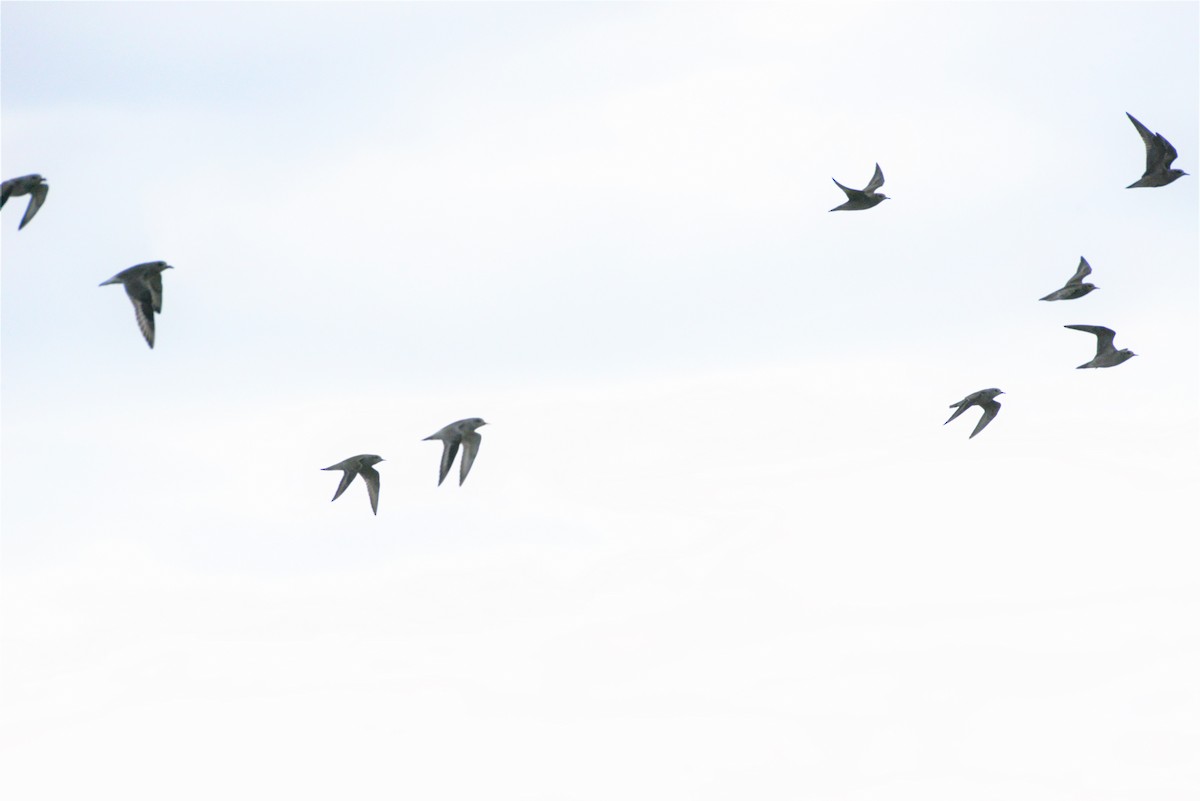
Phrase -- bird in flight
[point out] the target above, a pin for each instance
(359, 466)
(461, 432)
(1159, 155)
(986, 400)
(1074, 288)
(858, 199)
(143, 285)
(1106, 354)
(33, 185)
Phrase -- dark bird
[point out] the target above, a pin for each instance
(984, 399)
(865, 198)
(359, 466)
(33, 185)
(1159, 155)
(460, 432)
(1074, 288)
(1106, 354)
(143, 285)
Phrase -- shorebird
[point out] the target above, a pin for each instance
(143, 285)
(986, 400)
(859, 199)
(359, 466)
(33, 185)
(1159, 155)
(459, 432)
(1106, 354)
(1074, 288)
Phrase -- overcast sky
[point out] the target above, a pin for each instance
(717, 542)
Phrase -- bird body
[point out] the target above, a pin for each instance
(1159, 155)
(460, 432)
(986, 400)
(33, 185)
(359, 466)
(1106, 353)
(1074, 288)
(859, 199)
(143, 285)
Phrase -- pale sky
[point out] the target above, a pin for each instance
(717, 543)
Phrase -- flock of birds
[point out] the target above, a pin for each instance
(1159, 156)
(143, 285)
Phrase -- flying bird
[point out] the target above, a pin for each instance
(359, 466)
(460, 432)
(1106, 354)
(984, 399)
(864, 198)
(1074, 288)
(143, 285)
(1159, 155)
(33, 185)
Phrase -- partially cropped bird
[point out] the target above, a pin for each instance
(460, 432)
(359, 466)
(1074, 288)
(33, 185)
(143, 285)
(1159, 155)
(858, 199)
(1106, 353)
(986, 400)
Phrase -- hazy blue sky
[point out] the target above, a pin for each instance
(717, 543)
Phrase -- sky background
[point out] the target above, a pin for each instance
(717, 542)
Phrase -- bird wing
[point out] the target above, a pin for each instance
(6, 190)
(154, 282)
(1084, 270)
(990, 409)
(36, 198)
(1148, 140)
(853, 194)
(962, 405)
(1167, 152)
(1104, 336)
(876, 180)
(371, 476)
(470, 442)
(449, 451)
(139, 296)
(348, 474)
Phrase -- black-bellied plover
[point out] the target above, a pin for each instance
(1074, 288)
(984, 399)
(359, 466)
(1106, 354)
(459, 432)
(1159, 155)
(859, 199)
(33, 185)
(143, 285)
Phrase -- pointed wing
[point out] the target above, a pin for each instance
(876, 181)
(371, 476)
(990, 409)
(1104, 336)
(139, 295)
(470, 442)
(1084, 270)
(1166, 150)
(962, 405)
(6, 190)
(348, 474)
(36, 198)
(154, 282)
(1149, 140)
(449, 450)
(853, 194)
